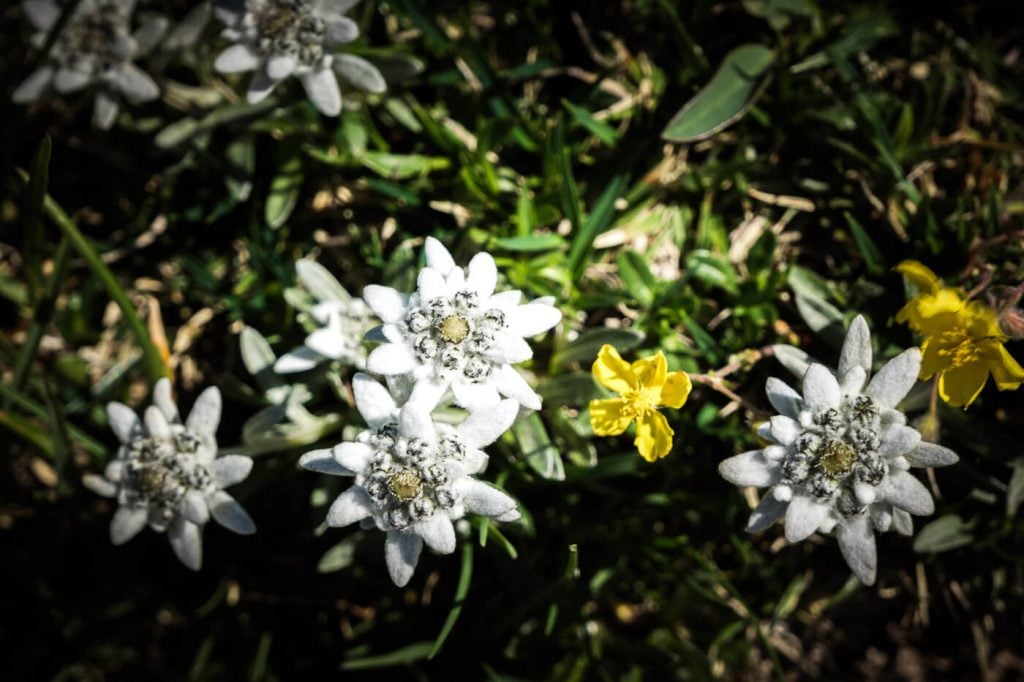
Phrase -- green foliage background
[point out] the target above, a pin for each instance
(881, 133)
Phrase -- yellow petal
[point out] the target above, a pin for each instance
(933, 359)
(607, 418)
(676, 390)
(650, 372)
(920, 276)
(942, 302)
(1006, 371)
(981, 321)
(612, 372)
(653, 436)
(961, 385)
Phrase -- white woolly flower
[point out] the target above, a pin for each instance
(414, 477)
(455, 332)
(167, 474)
(342, 323)
(282, 38)
(94, 50)
(840, 454)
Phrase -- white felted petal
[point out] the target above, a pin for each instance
(156, 423)
(820, 388)
(482, 427)
(770, 510)
(484, 499)
(114, 471)
(323, 462)
(33, 87)
(783, 397)
(506, 301)
(483, 275)
(322, 89)
(509, 349)
(237, 58)
(352, 456)
(803, 516)
(135, 84)
(205, 414)
(856, 348)
(438, 533)
(360, 73)
(70, 80)
(431, 284)
(386, 303)
(784, 430)
(123, 421)
(895, 379)
(373, 401)
(764, 430)
(302, 359)
(482, 396)
(902, 522)
(186, 542)
(931, 455)
(857, 543)
(454, 282)
(793, 359)
(260, 87)
(226, 511)
(511, 384)
(163, 399)
(99, 485)
(437, 256)
(881, 518)
(401, 553)
(328, 342)
(475, 460)
(749, 468)
(127, 523)
(281, 66)
(532, 319)
(194, 508)
(898, 440)
(852, 382)
(351, 506)
(903, 490)
(149, 33)
(340, 30)
(391, 359)
(43, 14)
(427, 392)
(104, 111)
(415, 422)
(230, 469)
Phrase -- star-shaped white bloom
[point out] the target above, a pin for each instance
(94, 50)
(455, 332)
(282, 38)
(413, 476)
(167, 474)
(841, 453)
(342, 320)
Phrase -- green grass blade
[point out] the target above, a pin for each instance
(465, 578)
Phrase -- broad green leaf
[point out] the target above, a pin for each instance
(535, 444)
(584, 348)
(813, 305)
(402, 166)
(319, 281)
(942, 535)
(637, 277)
(338, 557)
(730, 94)
(284, 193)
(531, 243)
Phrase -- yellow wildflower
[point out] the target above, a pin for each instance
(963, 343)
(643, 386)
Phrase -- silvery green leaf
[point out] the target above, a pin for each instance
(320, 282)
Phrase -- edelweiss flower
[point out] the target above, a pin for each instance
(167, 474)
(413, 477)
(343, 323)
(963, 342)
(841, 453)
(281, 38)
(94, 49)
(643, 387)
(454, 331)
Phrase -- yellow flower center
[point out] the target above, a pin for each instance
(639, 402)
(837, 458)
(454, 329)
(958, 347)
(405, 485)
